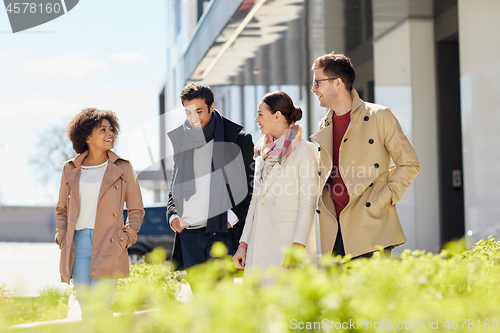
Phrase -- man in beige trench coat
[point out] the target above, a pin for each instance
(356, 206)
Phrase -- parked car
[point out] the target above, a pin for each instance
(154, 232)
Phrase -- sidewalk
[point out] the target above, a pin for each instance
(74, 313)
(29, 268)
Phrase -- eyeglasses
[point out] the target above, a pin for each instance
(315, 83)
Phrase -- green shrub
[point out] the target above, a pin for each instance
(149, 285)
(418, 292)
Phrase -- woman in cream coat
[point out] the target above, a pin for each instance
(282, 209)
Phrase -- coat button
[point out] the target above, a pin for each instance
(376, 165)
(111, 240)
(319, 173)
(317, 211)
(371, 141)
(69, 196)
(261, 204)
(116, 186)
(273, 222)
(368, 204)
(121, 239)
(274, 204)
(346, 139)
(370, 185)
(319, 148)
(114, 214)
(366, 118)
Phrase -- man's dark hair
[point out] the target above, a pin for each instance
(337, 65)
(197, 90)
(82, 125)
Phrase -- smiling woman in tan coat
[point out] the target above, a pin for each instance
(89, 214)
(282, 208)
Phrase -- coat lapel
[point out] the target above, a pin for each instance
(324, 137)
(271, 177)
(276, 171)
(73, 176)
(113, 172)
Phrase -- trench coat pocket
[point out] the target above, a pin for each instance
(122, 239)
(289, 215)
(384, 201)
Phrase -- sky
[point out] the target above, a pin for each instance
(103, 54)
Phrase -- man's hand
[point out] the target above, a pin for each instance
(239, 258)
(179, 224)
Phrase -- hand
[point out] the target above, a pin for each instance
(287, 260)
(228, 225)
(179, 224)
(59, 240)
(239, 258)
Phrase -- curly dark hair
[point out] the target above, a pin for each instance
(197, 90)
(337, 65)
(82, 125)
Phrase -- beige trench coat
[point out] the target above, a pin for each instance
(282, 209)
(109, 258)
(369, 220)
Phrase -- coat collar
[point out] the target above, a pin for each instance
(324, 136)
(78, 160)
(356, 104)
(113, 172)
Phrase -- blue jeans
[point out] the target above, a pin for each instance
(84, 286)
(197, 243)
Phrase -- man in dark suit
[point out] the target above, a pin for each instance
(212, 178)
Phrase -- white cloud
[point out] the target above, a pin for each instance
(127, 57)
(71, 65)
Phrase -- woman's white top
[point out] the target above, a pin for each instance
(90, 185)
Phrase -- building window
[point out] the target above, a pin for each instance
(178, 16)
(202, 5)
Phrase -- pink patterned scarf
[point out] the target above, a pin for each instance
(274, 150)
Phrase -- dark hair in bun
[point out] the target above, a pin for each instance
(280, 101)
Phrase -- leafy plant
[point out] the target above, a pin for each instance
(419, 291)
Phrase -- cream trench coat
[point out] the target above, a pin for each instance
(282, 208)
(109, 258)
(369, 220)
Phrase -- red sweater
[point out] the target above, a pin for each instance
(337, 188)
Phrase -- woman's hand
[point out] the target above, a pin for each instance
(239, 258)
(287, 261)
(59, 239)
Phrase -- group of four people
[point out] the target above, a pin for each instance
(257, 200)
